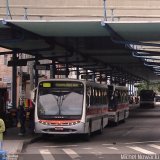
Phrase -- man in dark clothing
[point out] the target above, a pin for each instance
(22, 118)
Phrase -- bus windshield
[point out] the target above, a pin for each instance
(58, 99)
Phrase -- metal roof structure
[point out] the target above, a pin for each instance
(92, 44)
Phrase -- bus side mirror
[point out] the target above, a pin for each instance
(33, 95)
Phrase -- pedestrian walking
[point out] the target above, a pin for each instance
(22, 118)
(2, 130)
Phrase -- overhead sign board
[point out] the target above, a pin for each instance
(42, 67)
(18, 63)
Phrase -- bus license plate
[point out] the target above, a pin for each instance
(59, 128)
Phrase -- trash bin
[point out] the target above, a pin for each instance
(3, 155)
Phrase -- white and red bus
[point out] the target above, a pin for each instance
(68, 106)
(118, 107)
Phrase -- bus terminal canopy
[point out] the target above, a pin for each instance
(96, 45)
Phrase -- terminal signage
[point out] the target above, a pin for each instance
(42, 67)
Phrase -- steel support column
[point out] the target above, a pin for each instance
(100, 77)
(86, 74)
(111, 78)
(31, 66)
(36, 73)
(104, 9)
(94, 76)
(132, 89)
(67, 71)
(53, 70)
(106, 78)
(14, 81)
(77, 72)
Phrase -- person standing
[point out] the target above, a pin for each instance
(22, 118)
(2, 130)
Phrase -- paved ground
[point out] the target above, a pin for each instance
(138, 138)
(13, 143)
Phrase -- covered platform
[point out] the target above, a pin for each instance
(126, 52)
(101, 46)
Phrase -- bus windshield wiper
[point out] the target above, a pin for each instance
(60, 100)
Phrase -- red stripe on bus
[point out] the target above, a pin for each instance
(58, 121)
(97, 111)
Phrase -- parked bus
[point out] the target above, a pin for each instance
(118, 108)
(147, 98)
(68, 106)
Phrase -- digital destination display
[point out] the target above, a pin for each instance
(58, 84)
(66, 84)
(46, 84)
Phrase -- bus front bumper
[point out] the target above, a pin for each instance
(60, 129)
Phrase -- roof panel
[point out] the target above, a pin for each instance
(137, 31)
(45, 36)
(63, 28)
